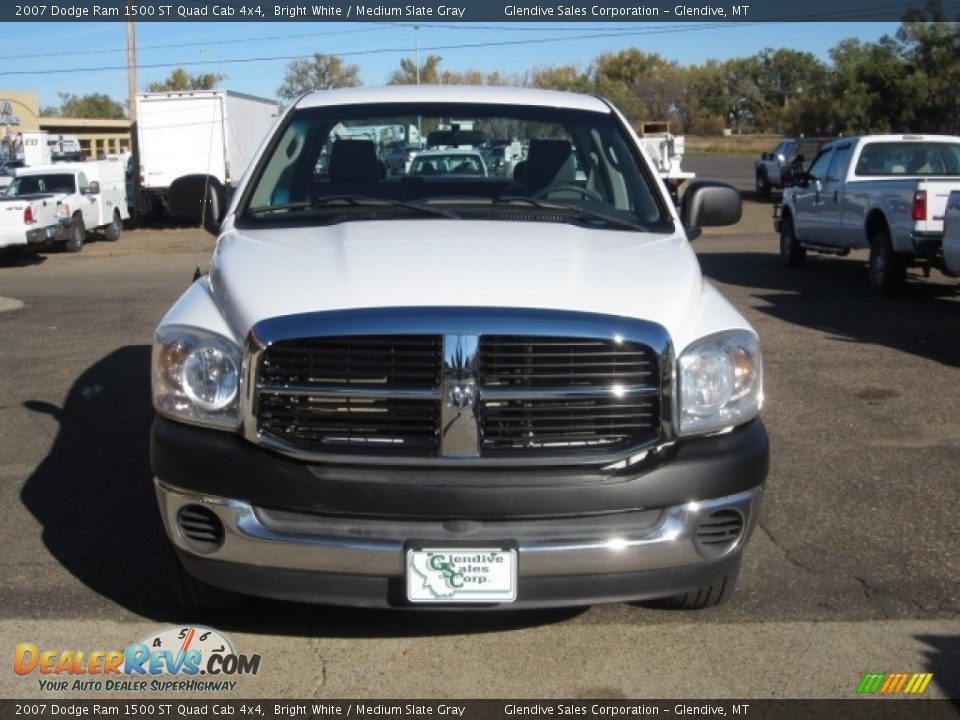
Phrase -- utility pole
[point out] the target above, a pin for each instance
(132, 105)
(416, 42)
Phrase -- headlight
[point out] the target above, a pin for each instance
(721, 382)
(197, 377)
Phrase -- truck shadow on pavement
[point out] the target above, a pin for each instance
(93, 494)
(832, 295)
(943, 660)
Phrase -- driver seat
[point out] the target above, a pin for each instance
(549, 162)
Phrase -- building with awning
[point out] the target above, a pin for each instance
(20, 112)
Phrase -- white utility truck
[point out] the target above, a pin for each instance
(459, 390)
(887, 193)
(210, 133)
(62, 203)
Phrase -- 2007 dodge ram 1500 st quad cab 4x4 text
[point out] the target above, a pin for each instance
(458, 390)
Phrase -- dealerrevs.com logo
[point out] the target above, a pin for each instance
(191, 658)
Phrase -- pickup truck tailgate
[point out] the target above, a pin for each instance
(937, 191)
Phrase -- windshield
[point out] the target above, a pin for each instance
(332, 164)
(34, 184)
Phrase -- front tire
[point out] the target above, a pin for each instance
(888, 268)
(792, 253)
(78, 235)
(194, 594)
(707, 596)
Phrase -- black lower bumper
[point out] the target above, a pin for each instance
(223, 464)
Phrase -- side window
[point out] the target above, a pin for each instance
(782, 150)
(82, 182)
(838, 165)
(818, 170)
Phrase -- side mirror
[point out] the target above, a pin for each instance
(764, 156)
(92, 189)
(707, 203)
(198, 198)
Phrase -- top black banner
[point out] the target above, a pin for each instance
(428, 11)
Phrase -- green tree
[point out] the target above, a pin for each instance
(407, 74)
(930, 47)
(180, 79)
(559, 77)
(323, 72)
(874, 90)
(94, 105)
(782, 76)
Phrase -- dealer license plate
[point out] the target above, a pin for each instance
(445, 575)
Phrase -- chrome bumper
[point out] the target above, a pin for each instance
(627, 542)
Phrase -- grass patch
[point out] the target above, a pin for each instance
(732, 145)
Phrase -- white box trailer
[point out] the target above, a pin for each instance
(212, 133)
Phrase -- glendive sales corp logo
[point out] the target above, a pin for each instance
(169, 661)
(894, 683)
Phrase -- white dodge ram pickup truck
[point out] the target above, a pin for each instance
(60, 203)
(887, 193)
(458, 391)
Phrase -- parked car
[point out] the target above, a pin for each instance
(448, 162)
(397, 157)
(887, 193)
(776, 169)
(465, 391)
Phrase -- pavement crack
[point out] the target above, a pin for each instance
(788, 556)
(867, 590)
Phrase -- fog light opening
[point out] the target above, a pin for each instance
(719, 532)
(202, 531)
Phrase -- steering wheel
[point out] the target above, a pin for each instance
(585, 192)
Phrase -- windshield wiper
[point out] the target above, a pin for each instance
(355, 201)
(579, 212)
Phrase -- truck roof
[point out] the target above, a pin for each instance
(903, 137)
(467, 94)
(168, 94)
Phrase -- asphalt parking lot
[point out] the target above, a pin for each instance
(853, 569)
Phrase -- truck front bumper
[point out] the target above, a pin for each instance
(270, 547)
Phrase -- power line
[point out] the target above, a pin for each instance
(835, 15)
(208, 43)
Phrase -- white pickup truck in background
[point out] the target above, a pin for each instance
(61, 203)
(951, 235)
(887, 193)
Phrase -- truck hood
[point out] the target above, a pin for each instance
(267, 273)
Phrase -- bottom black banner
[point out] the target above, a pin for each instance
(886, 709)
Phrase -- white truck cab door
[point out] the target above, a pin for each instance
(807, 198)
(89, 203)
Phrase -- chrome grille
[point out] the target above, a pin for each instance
(565, 394)
(585, 389)
(368, 394)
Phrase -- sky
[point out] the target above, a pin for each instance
(48, 58)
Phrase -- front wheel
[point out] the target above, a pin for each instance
(194, 594)
(792, 253)
(707, 596)
(78, 235)
(888, 268)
